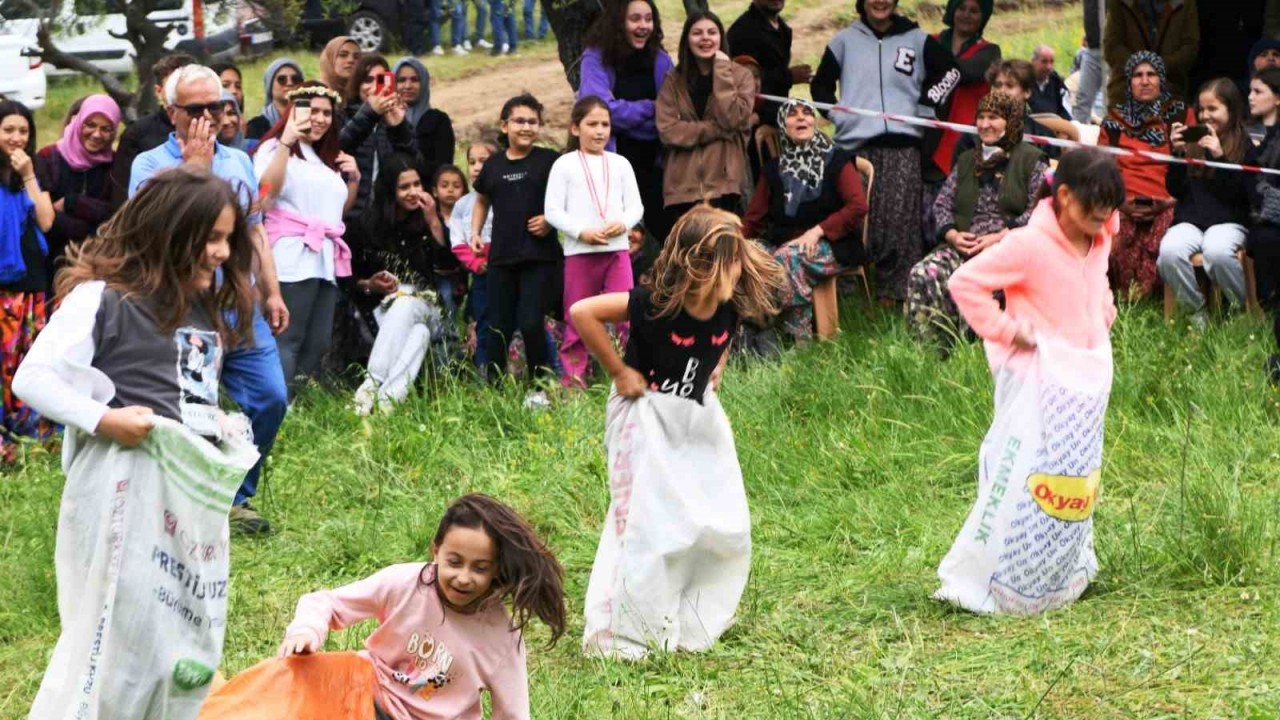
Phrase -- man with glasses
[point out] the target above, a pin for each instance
(252, 376)
(146, 133)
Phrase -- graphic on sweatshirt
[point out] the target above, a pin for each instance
(428, 670)
(199, 357)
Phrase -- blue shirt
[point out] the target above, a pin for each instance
(230, 164)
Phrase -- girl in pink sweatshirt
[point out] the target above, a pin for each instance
(444, 633)
(1053, 271)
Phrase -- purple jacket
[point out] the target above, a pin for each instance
(633, 118)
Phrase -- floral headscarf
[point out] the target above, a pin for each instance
(801, 165)
(1145, 121)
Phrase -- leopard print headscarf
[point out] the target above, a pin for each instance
(801, 165)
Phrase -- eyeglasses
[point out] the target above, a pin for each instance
(528, 122)
(197, 109)
(287, 80)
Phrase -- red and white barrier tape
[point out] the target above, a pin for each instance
(1033, 139)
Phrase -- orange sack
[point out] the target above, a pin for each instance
(321, 686)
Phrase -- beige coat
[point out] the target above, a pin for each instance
(706, 158)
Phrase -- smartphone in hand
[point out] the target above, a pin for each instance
(301, 109)
(1194, 133)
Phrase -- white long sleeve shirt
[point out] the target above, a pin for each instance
(573, 203)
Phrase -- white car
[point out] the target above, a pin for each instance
(21, 77)
(224, 28)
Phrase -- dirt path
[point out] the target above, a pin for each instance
(473, 101)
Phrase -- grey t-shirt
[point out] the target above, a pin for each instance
(175, 374)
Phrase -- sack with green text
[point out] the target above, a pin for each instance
(1027, 545)
(142, 569)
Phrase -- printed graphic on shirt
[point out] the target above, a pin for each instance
(428, 669)
(199, 357)
(905, 61)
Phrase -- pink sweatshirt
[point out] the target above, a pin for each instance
(431, 662)
(1047, 286)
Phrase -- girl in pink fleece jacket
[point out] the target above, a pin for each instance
(444, 633)
(1053, 271)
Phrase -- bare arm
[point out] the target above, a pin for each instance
(589, 317)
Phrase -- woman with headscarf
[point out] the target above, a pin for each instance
(282, 76)
(965, 20)
(229, 132)
(991, 190)
(1143, 122)
(808, 207)
(338, 61)
(432, 127)
(76, 172)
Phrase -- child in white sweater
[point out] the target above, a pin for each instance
(593, 198)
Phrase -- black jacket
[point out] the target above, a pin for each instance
(436, 142)
(752, 34)
(1051, 99)
(1218, 198)
(363, 135)
(146, 134)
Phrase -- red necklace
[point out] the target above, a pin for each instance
(601, 207)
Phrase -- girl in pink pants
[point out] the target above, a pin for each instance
(592, 198)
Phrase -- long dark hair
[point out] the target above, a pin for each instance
(528, 573)
(687, 67)
(581, 110)
(152, 245)
(1234, 137)
(327, 148)
(609, 34)
(8, 177)
(380, 216)
(1093, 178)
(360, 72)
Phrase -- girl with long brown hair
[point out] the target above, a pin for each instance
(445, 631)
(1211, 216)
(675, 485)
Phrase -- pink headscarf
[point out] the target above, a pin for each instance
(69, 145)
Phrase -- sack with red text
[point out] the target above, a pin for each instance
(1027, 545)
(142, 567)
(676, 548)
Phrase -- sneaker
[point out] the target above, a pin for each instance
(365, 396)
(246, 521)
(1273, 369)
(437, 50)
(466, 45)
(1200, 321)
(506, 49)
(537, 400)
(482, 43)
(460, 50)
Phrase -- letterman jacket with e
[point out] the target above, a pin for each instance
(902, 71)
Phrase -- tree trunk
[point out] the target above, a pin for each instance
(570, 19)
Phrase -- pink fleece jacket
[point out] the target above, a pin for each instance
(431, 662)
(1047, 286)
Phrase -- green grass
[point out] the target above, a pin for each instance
(859, 459)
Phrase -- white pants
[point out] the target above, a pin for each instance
(404, 331)
(1218, 245)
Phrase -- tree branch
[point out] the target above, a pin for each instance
(50, 53)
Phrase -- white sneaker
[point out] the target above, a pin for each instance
(437, 50)
(365, 396)
(484, 44)
(466, 45)
(536, 400)
(460, 50)
(506, 49)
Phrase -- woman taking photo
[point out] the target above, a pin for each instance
(376, 124)
(808, 207)
(308, 183)
(703, 118)
(625, 66)
(991, 190)
(76, 172)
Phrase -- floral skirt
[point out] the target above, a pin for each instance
(1133, 256)
(804, 272)
(22, 316)
(932, 316)
(895, 217)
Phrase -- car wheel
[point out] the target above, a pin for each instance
(368, 30)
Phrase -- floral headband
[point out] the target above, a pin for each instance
(314, 91)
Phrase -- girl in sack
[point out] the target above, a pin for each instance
(140, 334)
(444, 631)
(1027, 546)
(676, 548)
